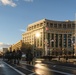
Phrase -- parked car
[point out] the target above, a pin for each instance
(23, 57)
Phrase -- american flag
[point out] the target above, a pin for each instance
(47, 28)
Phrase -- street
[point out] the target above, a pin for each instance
(39, 68)
(51, 68)
(7, 70)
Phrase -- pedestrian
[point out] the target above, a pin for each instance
(18, 56)
(29, 58)
(14, 56)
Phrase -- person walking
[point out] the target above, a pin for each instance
(14, 56)
(29, 58)
(19, 55)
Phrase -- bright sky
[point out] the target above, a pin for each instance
(15, 15)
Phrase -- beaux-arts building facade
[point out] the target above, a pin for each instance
(56, 37)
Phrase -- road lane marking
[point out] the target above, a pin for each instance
(1, 65)
(60, 72)
(32, 74)
(68, 67)
(15, 69)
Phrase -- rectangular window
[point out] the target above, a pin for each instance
(51, 24)
(64, 25)
(59, 25)
(48, 38)
(60, 40)
(52, 38)
(73, 25)
(69, 25)
(56, 39)
(65, 40)
(52, 44)
(55, 25)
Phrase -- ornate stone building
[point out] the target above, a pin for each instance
(17, 46)
(56, 37)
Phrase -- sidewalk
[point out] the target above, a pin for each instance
(38, 60)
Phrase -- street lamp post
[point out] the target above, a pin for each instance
(50, 47)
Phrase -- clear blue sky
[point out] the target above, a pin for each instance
(15, 15)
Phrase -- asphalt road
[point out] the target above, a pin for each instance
(39, 68)
(5, 69)
(49, 69)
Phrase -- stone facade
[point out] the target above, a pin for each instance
(56, 37)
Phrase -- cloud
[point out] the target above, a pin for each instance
(22, 30)
(8, 2)
(3, 45)
(28, 0)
